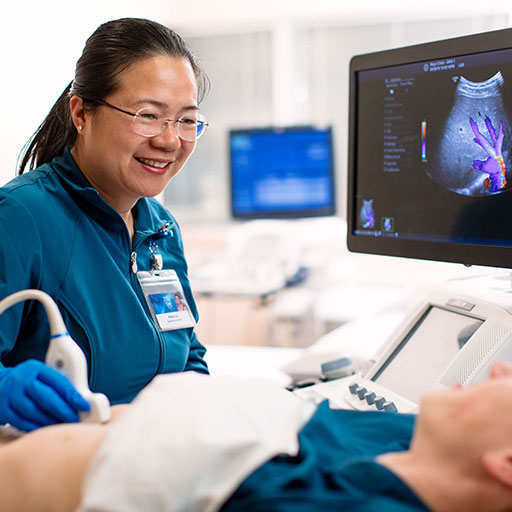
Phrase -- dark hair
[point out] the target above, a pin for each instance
(110, 49)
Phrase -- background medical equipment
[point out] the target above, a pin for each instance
(319, 366)
(65, 355)
(337, 369)
(261, 258)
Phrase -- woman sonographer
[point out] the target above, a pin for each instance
(83, 227)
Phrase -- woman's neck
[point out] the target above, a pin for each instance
(128, 218)
(124, 208)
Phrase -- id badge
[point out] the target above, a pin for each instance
(165, 298)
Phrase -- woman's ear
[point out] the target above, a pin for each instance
(498, 465)
(76, 107)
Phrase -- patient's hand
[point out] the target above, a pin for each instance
(500, 369)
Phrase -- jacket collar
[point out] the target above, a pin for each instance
(79, 187)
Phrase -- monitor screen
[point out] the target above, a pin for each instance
(281, 172)
(430, 151)
(426, 352)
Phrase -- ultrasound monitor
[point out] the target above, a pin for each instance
(281, 172)
(430, 151)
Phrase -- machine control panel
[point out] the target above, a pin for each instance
(448, 339)
(366, 395)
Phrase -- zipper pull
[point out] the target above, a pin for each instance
(133, 262)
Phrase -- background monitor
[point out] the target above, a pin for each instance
(281, 172)
(430, 151)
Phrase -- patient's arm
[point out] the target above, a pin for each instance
(44, 470)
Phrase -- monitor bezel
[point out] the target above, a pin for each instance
(467, 254)
(292, 213)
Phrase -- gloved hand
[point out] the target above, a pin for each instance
(33, 395)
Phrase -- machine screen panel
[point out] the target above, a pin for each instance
(426, 352)
(430, 151)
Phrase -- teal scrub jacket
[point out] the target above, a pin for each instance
(58, 235)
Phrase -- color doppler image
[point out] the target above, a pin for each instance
(473, 152)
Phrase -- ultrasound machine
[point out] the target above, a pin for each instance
(429, 177)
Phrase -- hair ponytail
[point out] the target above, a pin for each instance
(53, 135)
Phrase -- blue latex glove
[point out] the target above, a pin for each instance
(33, 395)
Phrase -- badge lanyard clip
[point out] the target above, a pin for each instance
(156, 258)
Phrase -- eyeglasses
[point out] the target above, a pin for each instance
(149, 123)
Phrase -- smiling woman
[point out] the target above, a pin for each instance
(93, 238)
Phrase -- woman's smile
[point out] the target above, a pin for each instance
(155, 166)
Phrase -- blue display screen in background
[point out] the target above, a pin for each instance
(281, 172)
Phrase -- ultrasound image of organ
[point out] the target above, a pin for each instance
(469, 146)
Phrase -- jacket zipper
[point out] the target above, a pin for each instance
(160, 233)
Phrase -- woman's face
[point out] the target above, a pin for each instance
(122, 165)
